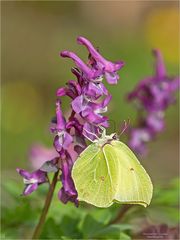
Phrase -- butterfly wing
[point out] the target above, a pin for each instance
(134, 185)
(95, 177)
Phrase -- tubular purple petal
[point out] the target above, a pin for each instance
(108, 66)
(79, 104)
(79, 63)
(106, 101)
(74, 87)
(39, 175)
(60, 119)
(30, 188)
(68, 139)
(90, 131)
(95, 90)
(24, 173)
(65, 197)
(159, 65)
(95, 118)
(61, 92)
(68, 191)
(112, 78)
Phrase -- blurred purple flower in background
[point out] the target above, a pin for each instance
(153, 95)
(161, 231)
(39, 154)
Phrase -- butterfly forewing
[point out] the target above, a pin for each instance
(95, 177)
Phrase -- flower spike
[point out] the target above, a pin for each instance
(154, 95)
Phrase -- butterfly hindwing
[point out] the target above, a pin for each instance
(134, 184)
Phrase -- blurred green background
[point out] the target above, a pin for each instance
(33, 34)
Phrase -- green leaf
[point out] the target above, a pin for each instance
(91, 228)
(168, 195)
(51, 230)
(112, 231)
(69, 227)
(124, 236)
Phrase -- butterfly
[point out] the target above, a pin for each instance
(107, 171)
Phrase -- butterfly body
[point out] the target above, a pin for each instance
(107, 171)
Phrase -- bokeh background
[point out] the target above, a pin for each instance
(33, 34)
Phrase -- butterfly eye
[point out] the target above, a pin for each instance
(115, 137)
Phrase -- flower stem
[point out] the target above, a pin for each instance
(47, 204)
(121, 213)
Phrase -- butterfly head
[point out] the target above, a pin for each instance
(106, 139)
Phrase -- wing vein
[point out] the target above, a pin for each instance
(107, 164)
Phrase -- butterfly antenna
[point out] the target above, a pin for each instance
(125, 126)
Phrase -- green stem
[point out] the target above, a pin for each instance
(47, 204)
(121, 213)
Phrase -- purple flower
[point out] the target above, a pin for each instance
(155, 121)
(32, 180)
(94, 90)
(78, 138)
(91, 110)
(88, 73)
(102, 65)
(63, 144)
(153, 96)
(156, 93)
(91, 131)
(72, 90)
(98, 66)
(68, 191)
(138, 139)
(63, 139)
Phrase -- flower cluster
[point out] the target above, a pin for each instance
(153, 95)
(89, 100)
